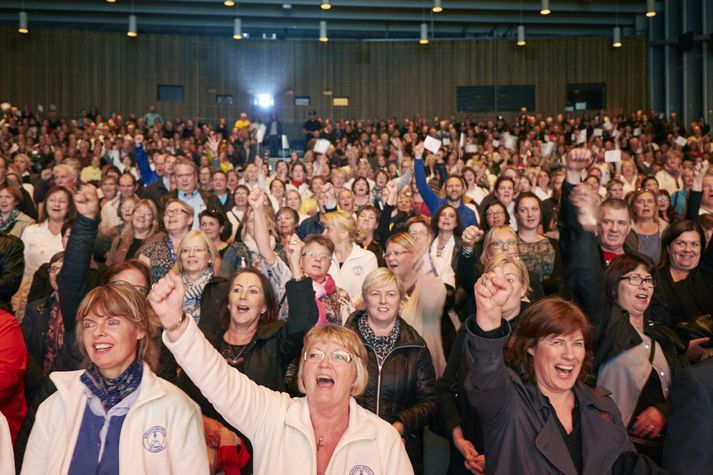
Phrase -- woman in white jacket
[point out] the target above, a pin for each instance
(324, 433)
(117, 416)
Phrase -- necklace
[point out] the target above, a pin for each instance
(229, 353)
(323, 437)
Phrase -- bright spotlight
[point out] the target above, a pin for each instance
(264, 101)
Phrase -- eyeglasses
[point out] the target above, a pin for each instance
(319, 255)
(146, 214)
(503, 243)
(394, 253)
(194, 250)
(336, 357)
(636, 280)
(54, 269)
(175, 211)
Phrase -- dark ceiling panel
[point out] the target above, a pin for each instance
(347, 19)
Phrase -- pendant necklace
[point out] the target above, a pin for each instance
(320, 442)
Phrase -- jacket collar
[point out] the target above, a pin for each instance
(67, 383)
(596, 419)
(407, 337)
(359, 428)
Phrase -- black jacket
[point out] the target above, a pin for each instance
(12, 266)
(689, 432)
(272, 349)
(74, 281)
(155, 191)
(212, 300)
(403, 388)
(454, 408)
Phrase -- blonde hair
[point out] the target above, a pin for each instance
(501, 260)
(268, 214)
(347, 339)
(378, 278)
(128, 232)
(505, 229)
(178, 266)
(124, 301)
(408, 242)
(343, 221)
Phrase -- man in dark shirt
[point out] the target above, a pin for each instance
(311, 126)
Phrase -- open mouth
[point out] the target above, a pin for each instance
(243, 308)
(102, 347)
(564, 371)
(643, 298)
(325, 381)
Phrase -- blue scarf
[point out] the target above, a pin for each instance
(111, 391)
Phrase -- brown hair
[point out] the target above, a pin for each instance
(133, 264)
(71, 210)
(620, 266)
(14, 191)
(673, 232)
(437, 216)
(123, 301)
(273, 308)
(550, 316)
(319, 240)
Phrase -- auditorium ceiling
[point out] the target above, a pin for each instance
(368, 20)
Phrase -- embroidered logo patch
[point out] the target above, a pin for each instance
(361, 470)
(358, 270)
(155, 439)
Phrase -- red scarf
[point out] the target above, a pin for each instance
(328, 287)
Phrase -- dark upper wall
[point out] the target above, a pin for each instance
(75, 69)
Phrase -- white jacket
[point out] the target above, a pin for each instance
(161, 434)
(280, 427)
(351, 274)
(7, 457)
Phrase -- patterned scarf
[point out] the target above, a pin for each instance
(194, 291)
(111, 391)
(6, 225)
(326, 288)
(382, 345)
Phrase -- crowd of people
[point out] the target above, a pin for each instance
(537, 291)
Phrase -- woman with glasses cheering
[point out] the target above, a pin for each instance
(309, 259)
(635, 358)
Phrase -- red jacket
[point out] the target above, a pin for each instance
(13, 363)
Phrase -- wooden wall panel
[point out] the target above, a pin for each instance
(75, 69)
